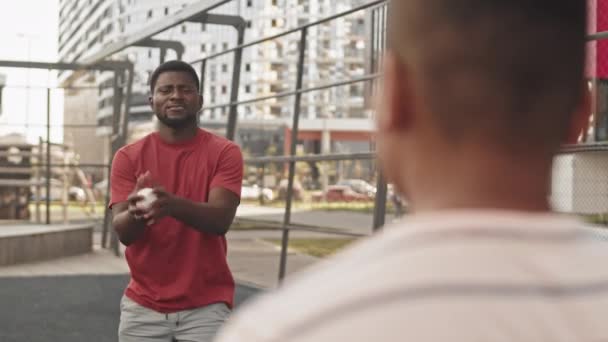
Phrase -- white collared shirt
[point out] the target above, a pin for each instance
(452, 276)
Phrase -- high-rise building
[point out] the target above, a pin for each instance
(335, 51)
(85, 27)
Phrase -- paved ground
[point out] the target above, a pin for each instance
(254, 261)
(76, 298)
(66, 308)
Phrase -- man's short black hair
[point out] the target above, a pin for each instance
(173, 66)
(508, 71)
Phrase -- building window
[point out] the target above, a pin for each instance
(249, 3)
(149, 14)
(224, 89)
(166, 10)
(247, 89)
(128, 19)
(150, 53)
(183, 28)
(225, 46)
(203, 48)
(203, 27)
(248, 67)
(212, 48)
(224, 67)
(275, 2)
(274, 23)
(249, 24)
(212, 72)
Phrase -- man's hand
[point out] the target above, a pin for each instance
(134, 210)
(128, 220)
(161, 207)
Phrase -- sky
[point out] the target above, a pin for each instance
(29, 31)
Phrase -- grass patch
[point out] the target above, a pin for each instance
(356, 207)
(320, 248)
(238, 225)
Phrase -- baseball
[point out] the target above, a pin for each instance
(148, 198)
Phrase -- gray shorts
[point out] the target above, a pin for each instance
(140, 324)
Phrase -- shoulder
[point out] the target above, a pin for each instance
(134, 149)
(411, 280)
(220, 147)
(320, 293)
(217, 142)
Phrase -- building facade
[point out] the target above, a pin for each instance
(335, 51)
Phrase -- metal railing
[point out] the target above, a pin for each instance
(44, 166)
(378, 19)
(378, 44)
(30, 167)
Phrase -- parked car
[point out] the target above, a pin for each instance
(360, 186)
(341, 193)
(253, 192)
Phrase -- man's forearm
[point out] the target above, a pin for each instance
(127, 228)
(203, 216)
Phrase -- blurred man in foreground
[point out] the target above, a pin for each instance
(477, 97)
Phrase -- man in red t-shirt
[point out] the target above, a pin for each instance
(181, 287)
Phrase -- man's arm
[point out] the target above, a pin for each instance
(216, 215)
(213, 217)
(126, 226)
(128, 220)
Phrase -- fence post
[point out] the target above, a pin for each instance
(262, 183)
(48, 156)
(38, 178)
(292, 164)
(203, 71)
(380, 202)
(236, 82)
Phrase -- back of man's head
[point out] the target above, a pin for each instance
(505, 72)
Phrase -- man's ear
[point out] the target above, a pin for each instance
(150, 101)
(579, 122)
(394, 100)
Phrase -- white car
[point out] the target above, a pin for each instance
(252, 192)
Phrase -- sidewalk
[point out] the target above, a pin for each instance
(253, 262)
(256, 262)
(76, 298)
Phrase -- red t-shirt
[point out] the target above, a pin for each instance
(174, 267)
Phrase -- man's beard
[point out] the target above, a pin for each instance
(177, 123)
